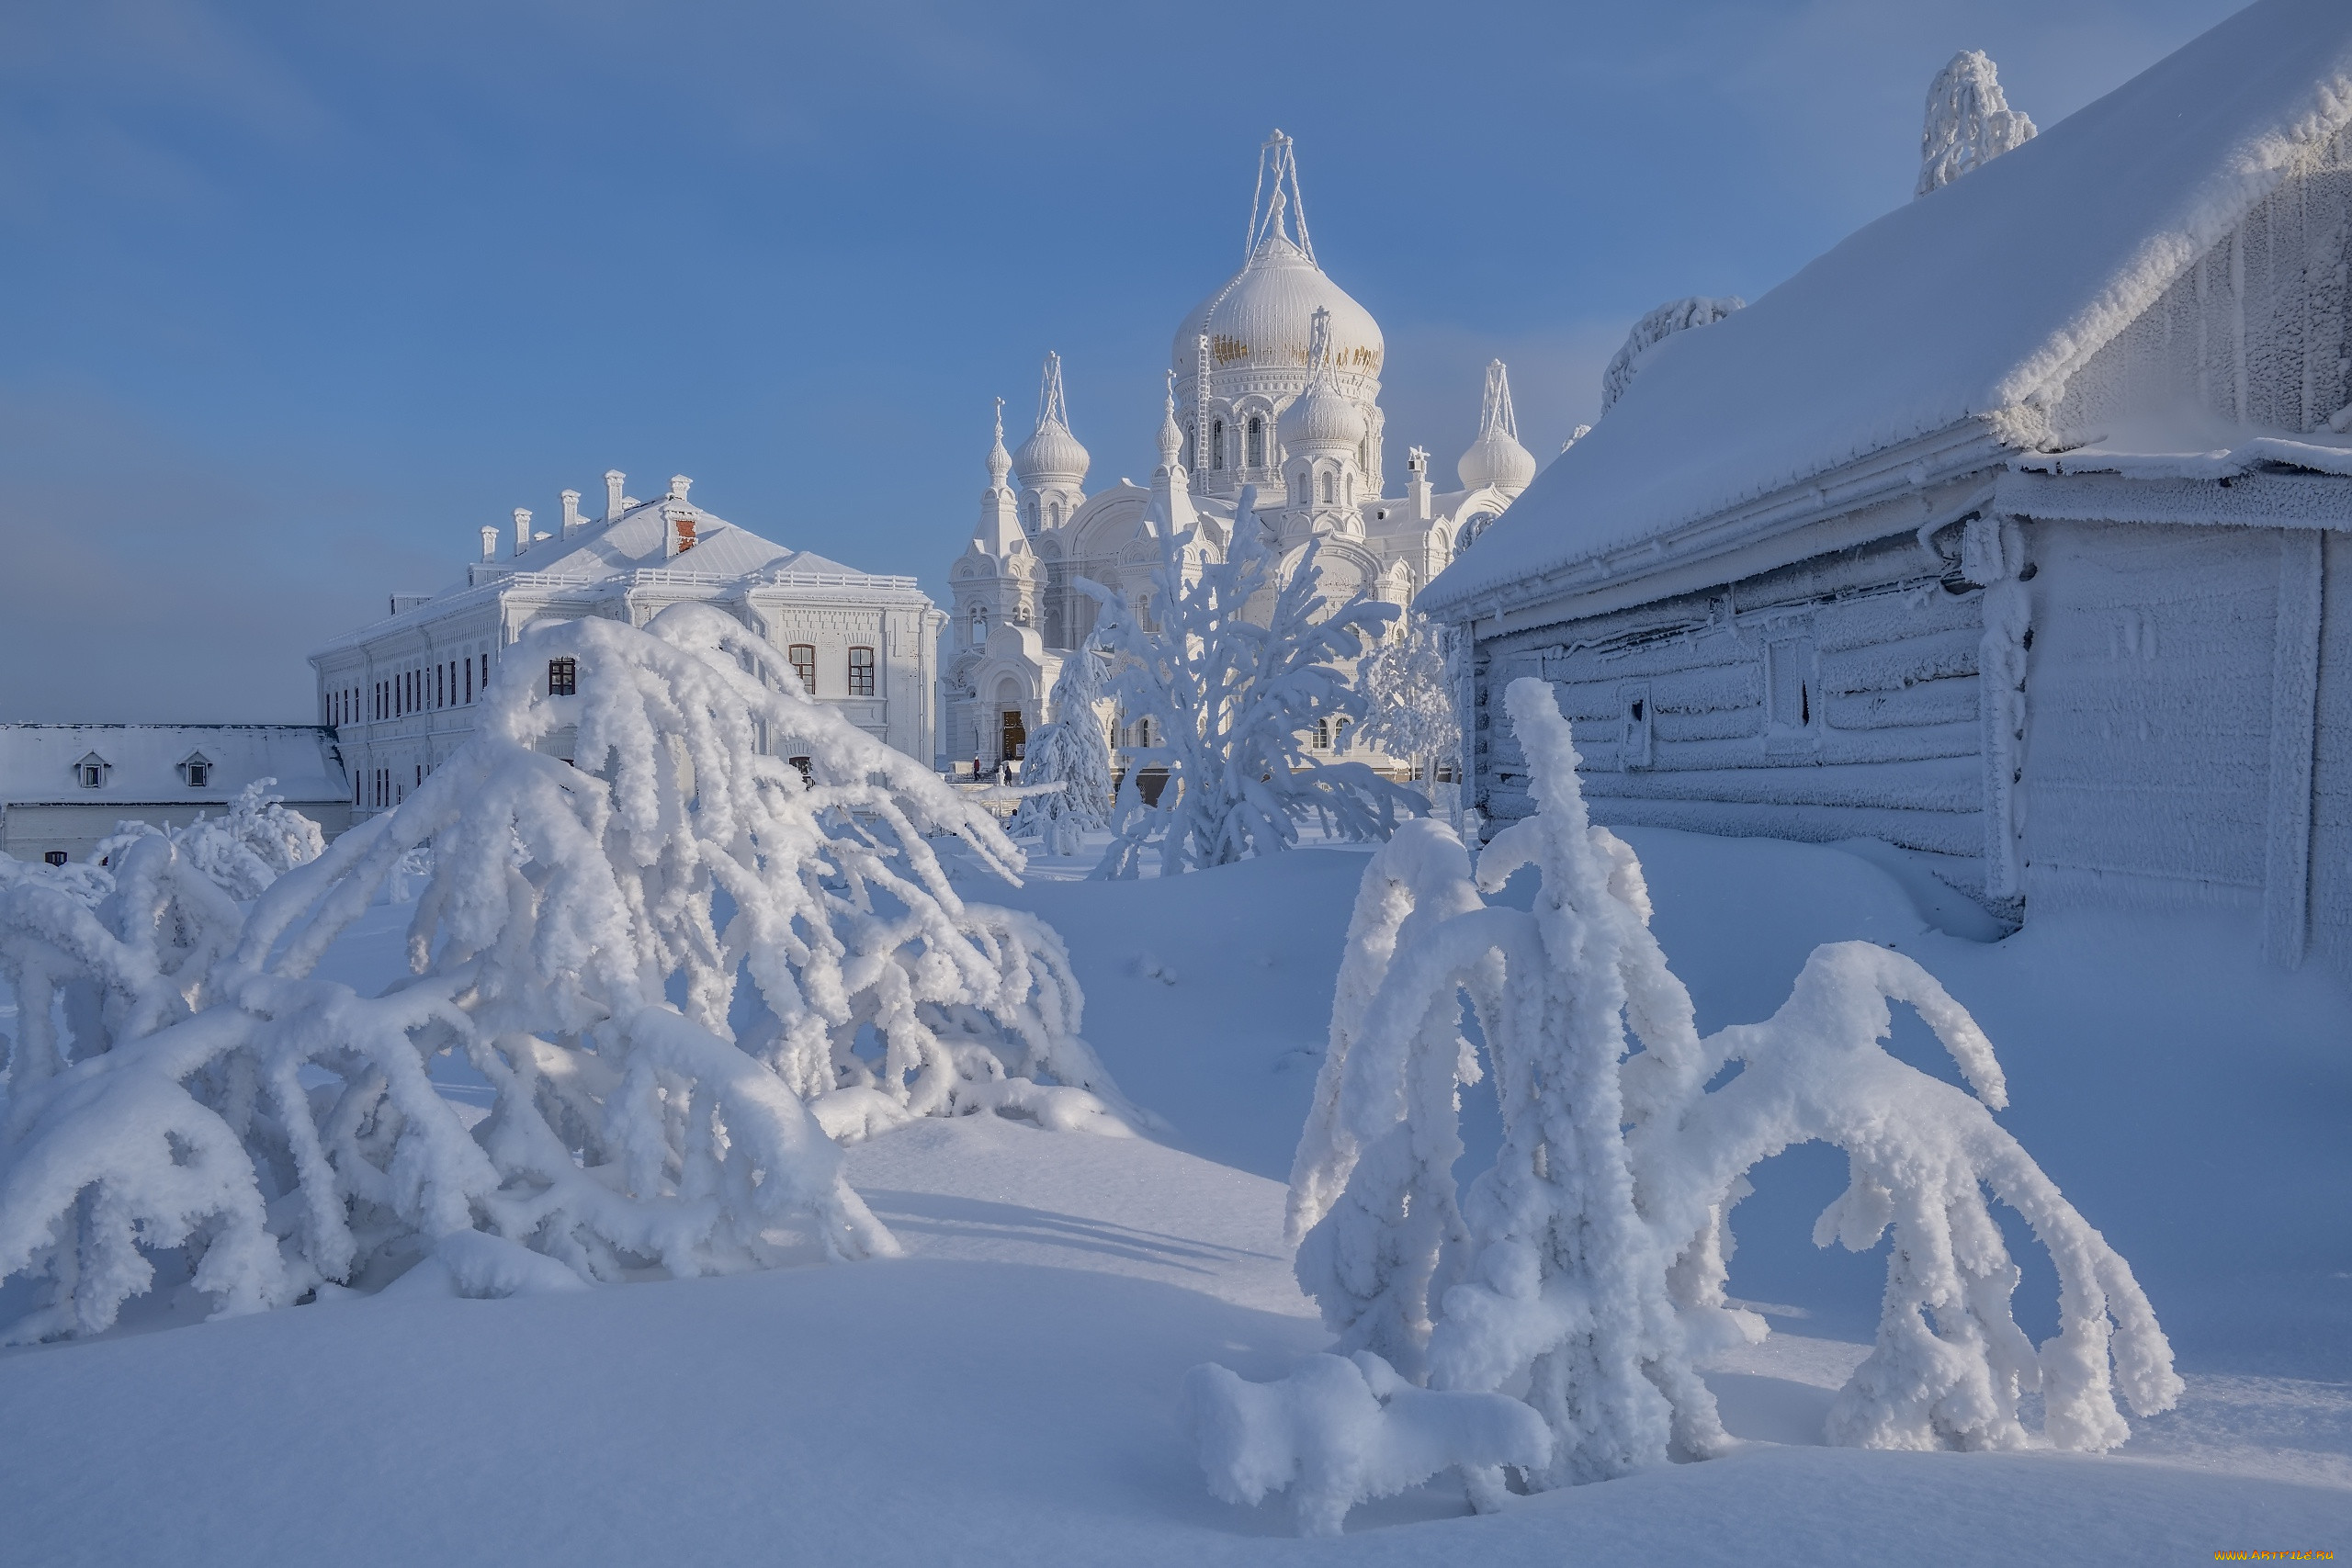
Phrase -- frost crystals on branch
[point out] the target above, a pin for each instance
(1408, 700)
(1230, 701)
(209, 1092)
(1586, 1266)
(1074, 751)
(1969, 121)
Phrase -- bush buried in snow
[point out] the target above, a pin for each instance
(1586, 1266)
(208, 1092)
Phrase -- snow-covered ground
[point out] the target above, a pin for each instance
(1009, 1392)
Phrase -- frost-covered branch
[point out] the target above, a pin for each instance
(678, 964)
(1586, 1266)
(1408, 699)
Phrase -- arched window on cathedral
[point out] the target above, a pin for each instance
(1352, 489)
(1058, 513)
(1330, 488)
(979, 625)
(1257, 442)
(1216, 443)
(1029, 514)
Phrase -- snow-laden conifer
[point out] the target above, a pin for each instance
(654, 958)
(1230, 698)
(1969, 121)
(1586, 1266)
(1073, 752)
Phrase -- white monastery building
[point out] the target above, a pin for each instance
(2015, 531)
(64, 786)
(1273, 394)
(401, 694)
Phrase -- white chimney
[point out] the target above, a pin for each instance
(522, 529)
(614, 480)
(679, 485)
(489, 542)
(571, 513)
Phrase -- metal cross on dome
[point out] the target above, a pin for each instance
(1277, 169)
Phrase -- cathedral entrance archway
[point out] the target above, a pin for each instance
(1015, 734)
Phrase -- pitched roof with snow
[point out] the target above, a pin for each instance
(142, 762)
(1974, 302)
(640, 538)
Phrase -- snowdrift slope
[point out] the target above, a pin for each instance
(1007, 1393)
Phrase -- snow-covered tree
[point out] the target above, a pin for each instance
(1587, 1265)
(1408, 699)
(1674, 316)
(1969, 121)
(255, 842)
(654, 957)
(1074, 751)
(1230, 700)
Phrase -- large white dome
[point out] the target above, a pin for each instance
(1261, 319)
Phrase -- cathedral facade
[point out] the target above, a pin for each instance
(1272, 419)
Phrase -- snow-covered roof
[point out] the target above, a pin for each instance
(639, 538)
(37, 762)
(1975, 303)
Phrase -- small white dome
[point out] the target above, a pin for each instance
(1496, 458)
(1320, 421)
(1172, 435)
(1051, 456)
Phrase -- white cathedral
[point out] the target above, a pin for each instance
(1273, 388)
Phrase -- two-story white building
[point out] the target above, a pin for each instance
(401, 694)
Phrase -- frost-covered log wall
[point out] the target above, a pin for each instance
(1832, 700)
(2254, 332)
(2331, 857)
(2150, 724)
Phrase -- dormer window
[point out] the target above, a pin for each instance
(196, 771)
(91, 771)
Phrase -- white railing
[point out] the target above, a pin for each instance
(666, 577)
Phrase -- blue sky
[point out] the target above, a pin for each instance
(295, 298)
